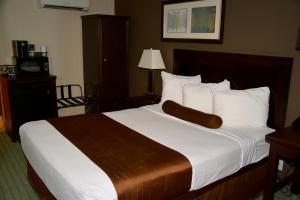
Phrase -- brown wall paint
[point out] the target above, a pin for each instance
(266, 27)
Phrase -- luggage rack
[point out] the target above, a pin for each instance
(66, 101)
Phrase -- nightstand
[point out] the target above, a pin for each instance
(138, 101)
(284, 144)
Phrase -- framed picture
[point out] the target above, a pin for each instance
(191, 20)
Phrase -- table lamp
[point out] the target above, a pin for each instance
(151, 59)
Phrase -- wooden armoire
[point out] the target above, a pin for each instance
(105, 65)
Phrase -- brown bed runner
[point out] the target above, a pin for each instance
(140, 168)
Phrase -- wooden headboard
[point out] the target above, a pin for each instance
(243, 71)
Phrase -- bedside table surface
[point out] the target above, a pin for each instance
(138, 101)
(288, 137)
(284, 144)
(146, 98)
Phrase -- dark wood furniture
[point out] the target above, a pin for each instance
(26, 99)
(284, 144)
(243, 71)
(138, 101)
(105, 66)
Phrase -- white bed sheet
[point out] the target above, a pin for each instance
(213, 154)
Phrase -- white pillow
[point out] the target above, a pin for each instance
(241, 108)
(200, 96)
(173, 85)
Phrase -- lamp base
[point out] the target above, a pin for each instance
(150, 93)
(150, 81)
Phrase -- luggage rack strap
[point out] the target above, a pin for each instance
(67, 99)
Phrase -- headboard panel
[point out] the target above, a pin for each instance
(243, 71)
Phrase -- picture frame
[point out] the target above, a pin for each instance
(193, 20)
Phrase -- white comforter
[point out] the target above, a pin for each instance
(213, 154)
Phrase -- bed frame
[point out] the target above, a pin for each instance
(243, 71)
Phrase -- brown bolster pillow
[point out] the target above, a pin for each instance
(191, 115)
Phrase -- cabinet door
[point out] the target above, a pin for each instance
(91, 42)
(32, 101)
(114, 52)
(6, 106)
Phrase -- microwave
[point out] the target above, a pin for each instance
(36, 65)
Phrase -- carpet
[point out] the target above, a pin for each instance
(13, 181)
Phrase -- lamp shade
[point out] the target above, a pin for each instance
(151, 59)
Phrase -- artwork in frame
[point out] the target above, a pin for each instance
(193, 20)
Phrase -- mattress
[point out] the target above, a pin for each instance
(213, 153)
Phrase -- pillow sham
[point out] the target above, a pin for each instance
(200, 96)
(173, 85)
(191, 115)
(241, 108)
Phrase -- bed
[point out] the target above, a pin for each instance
(235, 181)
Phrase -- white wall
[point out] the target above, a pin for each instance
(59, 30)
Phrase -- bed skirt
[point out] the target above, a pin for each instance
(247, 183)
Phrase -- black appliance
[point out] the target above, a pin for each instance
(37, 65)
(20, 48)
